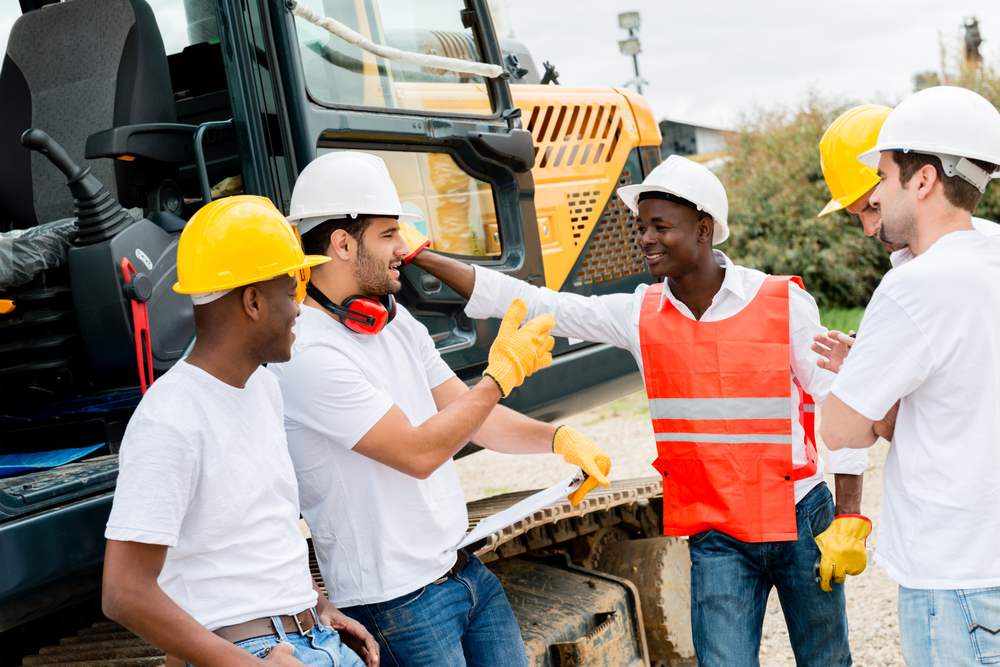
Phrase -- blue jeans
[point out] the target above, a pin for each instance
(949, 628)
(319, 646)
(465, 620)
(730, 582)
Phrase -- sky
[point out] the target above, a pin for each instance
(708, 62)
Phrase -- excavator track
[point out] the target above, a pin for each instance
(108, 644)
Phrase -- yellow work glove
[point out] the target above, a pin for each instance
(414, 239)
(519, 352)
(578, 450)
(6, 306)
(842, 549)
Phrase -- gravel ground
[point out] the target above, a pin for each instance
(623, 430)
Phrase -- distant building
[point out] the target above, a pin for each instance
(706, 145)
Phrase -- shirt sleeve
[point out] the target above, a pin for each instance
(803, 324)
(324, 390)
(890, 359)
(158, 473)
(606, 318)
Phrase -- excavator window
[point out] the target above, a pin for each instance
(340, 74)
(458, 210)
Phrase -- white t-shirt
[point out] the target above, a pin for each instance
(614, 319)
(206, 472)
(378, 533)
(931, 336)
(984, 227)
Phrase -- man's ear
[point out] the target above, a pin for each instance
(706, 229)
(926, 179)
(252, 302)
(342, 244)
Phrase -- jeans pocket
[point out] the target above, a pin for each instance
(400, 602)
(259, 647)
(981, 607)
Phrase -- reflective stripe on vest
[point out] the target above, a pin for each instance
(722, 414)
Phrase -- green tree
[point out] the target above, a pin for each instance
(776, 188)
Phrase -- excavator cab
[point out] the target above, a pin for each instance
(119, 119)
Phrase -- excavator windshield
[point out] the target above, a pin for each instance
(340, 74)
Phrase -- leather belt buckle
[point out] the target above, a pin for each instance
(460, 562)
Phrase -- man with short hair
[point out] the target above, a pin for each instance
(205, 558)
(851, 185)
(724, 351)
(925, 372)
(374, 416)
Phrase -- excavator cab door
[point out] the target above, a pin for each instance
(451, 139)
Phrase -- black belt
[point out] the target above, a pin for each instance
(463, 558)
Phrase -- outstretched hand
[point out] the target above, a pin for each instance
(833, 347)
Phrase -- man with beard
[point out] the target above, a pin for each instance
(925, 372)
(724, 352)
(205, 559)
(374, 417)
(851, 185)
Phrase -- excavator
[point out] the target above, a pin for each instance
(121, 118)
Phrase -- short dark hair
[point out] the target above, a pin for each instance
(317, 240)
(958, 191)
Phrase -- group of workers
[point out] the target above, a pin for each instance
(356, 418)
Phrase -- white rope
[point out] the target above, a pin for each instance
(396, 55)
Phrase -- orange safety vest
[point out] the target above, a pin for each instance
(719, 399)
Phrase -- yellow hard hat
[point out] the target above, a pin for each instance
(855, 132)
(237, 241)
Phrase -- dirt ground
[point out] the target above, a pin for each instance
(623, 430)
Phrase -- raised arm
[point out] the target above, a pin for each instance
(611, 318)
(420, 450)
(457, 275)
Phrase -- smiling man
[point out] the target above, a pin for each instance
(205, 559)
(374, 416)
(925, 372)
(723, 350)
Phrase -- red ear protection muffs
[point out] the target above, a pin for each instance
(361, 314)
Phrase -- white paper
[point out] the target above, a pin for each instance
(497, 522)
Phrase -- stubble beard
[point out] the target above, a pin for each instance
(370, 274)
(902, 224)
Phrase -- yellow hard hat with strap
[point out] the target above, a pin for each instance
(237, 241)
(855, 132)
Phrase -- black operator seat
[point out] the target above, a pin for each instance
(79, 68)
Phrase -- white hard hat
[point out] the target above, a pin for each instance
(949, 122)
(342, 184)
(682, 178)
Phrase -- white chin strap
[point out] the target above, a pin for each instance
(208, 297)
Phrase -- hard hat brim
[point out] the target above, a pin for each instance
(310, 261)
(630, 194)
(831, 206)
(871, 157)
(306, 225)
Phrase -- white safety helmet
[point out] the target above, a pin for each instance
(952, 123)
(683, 178)
(342, 184)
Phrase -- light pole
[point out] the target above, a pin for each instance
(630, 47)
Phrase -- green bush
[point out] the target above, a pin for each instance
(776, 188)
(841, 319)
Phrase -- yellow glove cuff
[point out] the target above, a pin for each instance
(415, 241)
